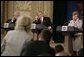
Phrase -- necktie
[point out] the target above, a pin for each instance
(41, 22)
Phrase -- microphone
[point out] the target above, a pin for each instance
(36, 18)
(66, 23)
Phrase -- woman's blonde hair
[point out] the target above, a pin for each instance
(23, 23)
(75, 13)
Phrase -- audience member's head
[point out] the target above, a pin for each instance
(74, 53)
(59, 48)
(23, 23)
(80, 52)
(44, 54)
(61, 54)
(59, 51)
(45, 35)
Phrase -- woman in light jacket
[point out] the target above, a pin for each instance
(14, 39)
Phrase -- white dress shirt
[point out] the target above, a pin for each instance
(42, 19)
(77, 42)
(77, 23)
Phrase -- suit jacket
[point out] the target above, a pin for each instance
(46, 21)
(77, 24)
(34, 48)
(11, 23)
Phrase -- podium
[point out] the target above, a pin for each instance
(67, 31)
(37, 28)
(8, 26)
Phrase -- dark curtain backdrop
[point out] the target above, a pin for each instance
(59, 18)
(62, 11)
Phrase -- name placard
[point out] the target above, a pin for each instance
(64, 28)
(33, 26)
(6, 25)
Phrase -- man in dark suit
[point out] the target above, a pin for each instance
(44, 21)
(41, 19)
(12, 21)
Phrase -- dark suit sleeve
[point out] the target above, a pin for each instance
(25, 48)
(8, 20)
(50, 24)
(37, 21)
(48, 21)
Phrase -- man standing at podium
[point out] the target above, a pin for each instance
(41, 19)
(13, 20)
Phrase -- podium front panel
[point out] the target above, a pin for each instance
(69, 29)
